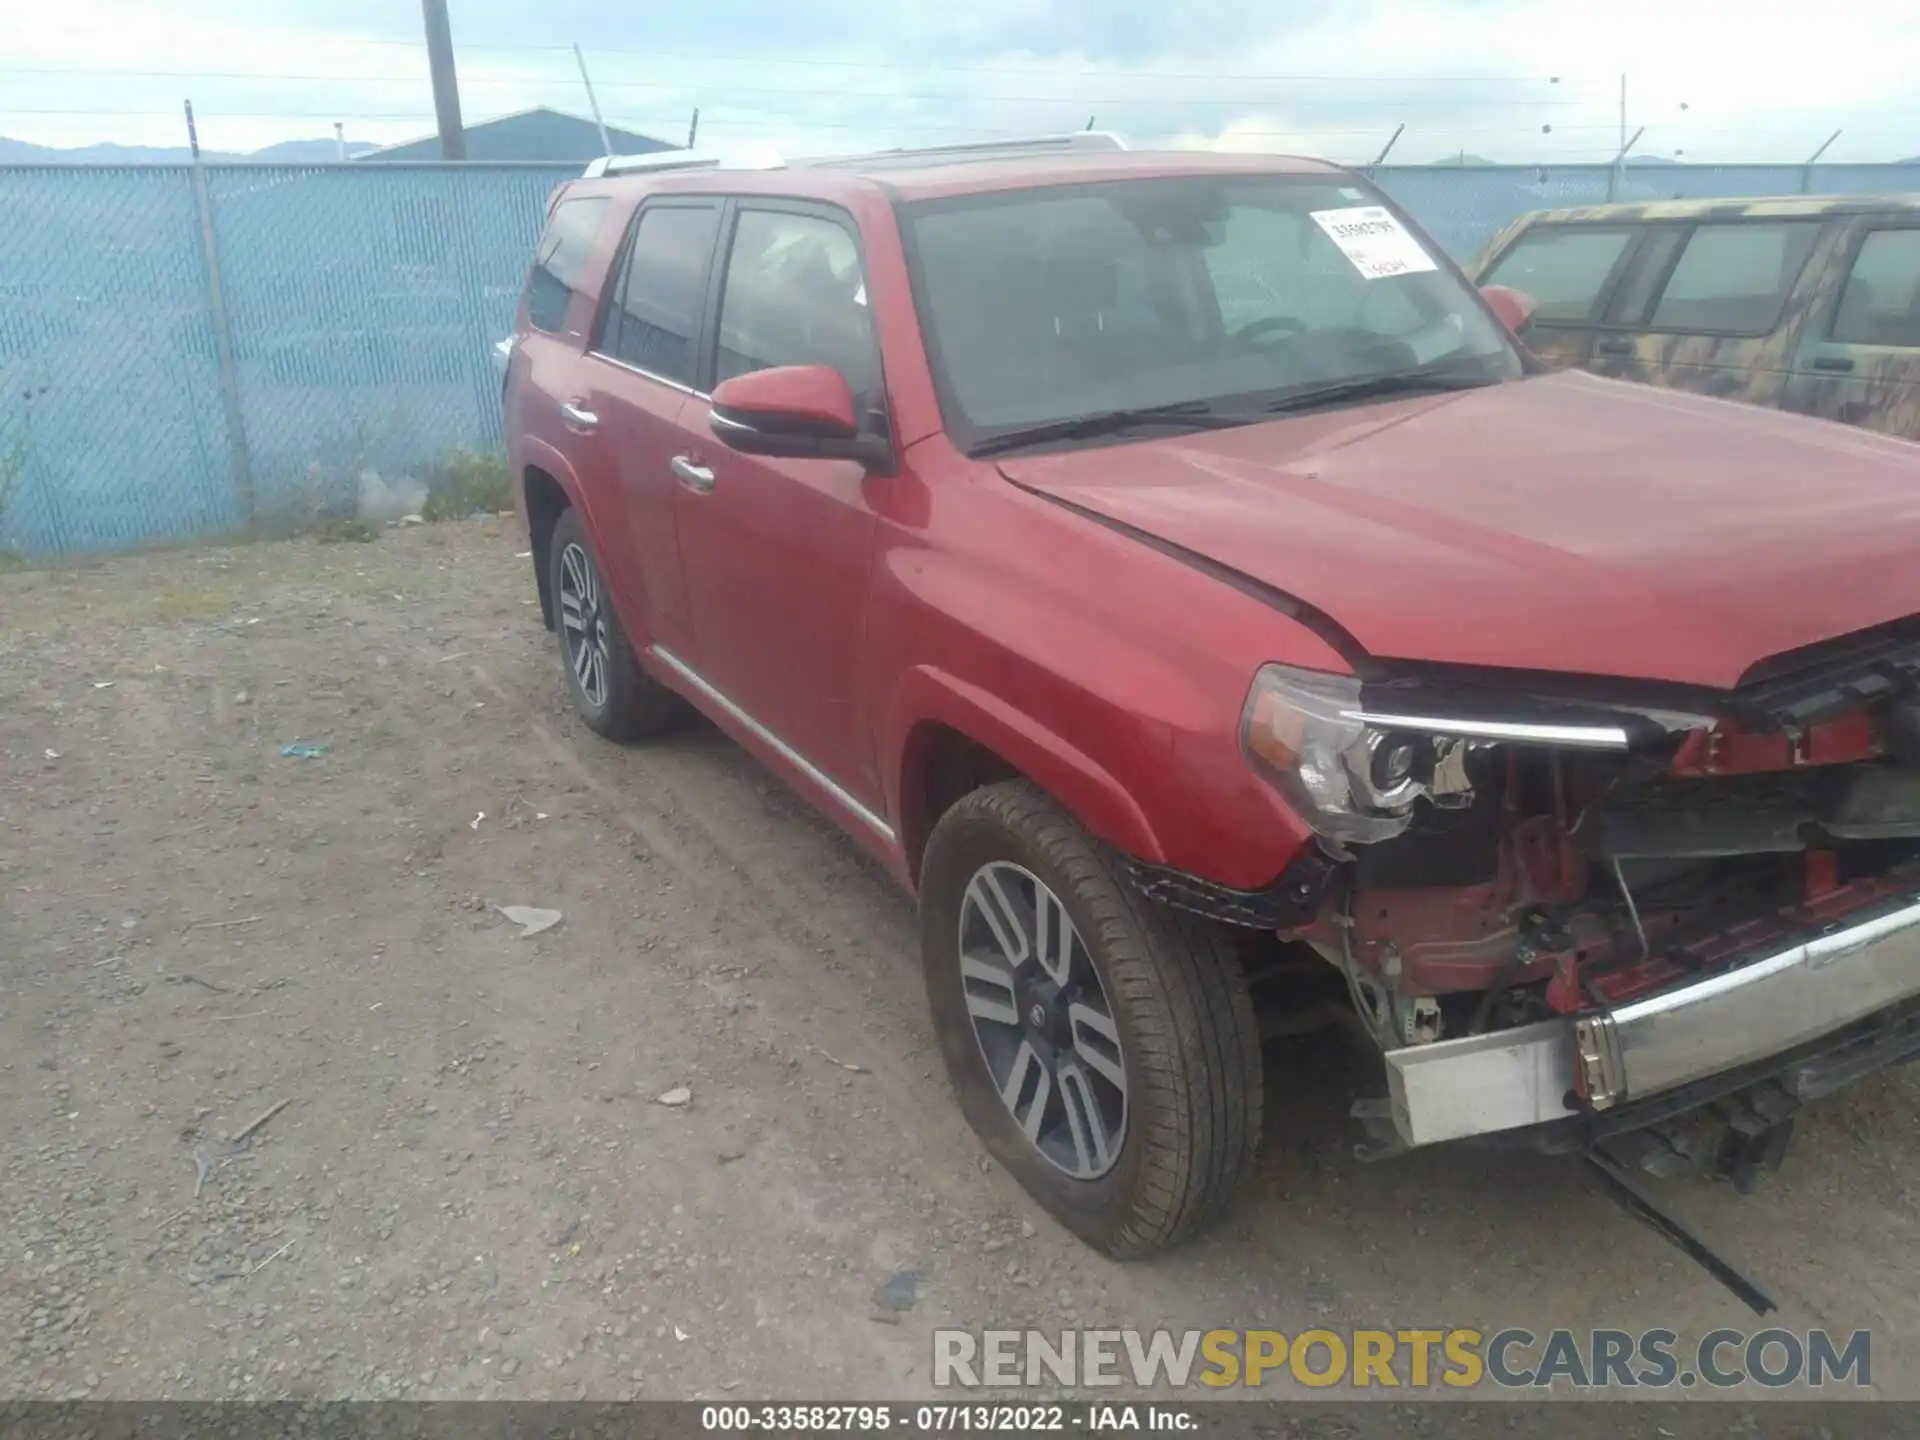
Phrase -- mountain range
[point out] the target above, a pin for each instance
(287, 152)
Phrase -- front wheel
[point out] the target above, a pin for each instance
(1105, 1049)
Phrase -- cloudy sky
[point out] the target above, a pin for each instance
(1509, 79)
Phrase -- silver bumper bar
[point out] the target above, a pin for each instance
(1771, 1003)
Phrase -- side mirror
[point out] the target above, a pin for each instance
(1514, 307)
(799, 411)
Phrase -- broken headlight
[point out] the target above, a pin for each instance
(1353, 781)
(1354, 771)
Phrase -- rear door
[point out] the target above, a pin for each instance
(556, 312)
(1859, 356)
(1569, 270)
(1715, 306)
(634, 385)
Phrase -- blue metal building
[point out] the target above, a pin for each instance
(539, 135)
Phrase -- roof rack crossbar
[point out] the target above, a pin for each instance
(671, 160)
(1104, 140)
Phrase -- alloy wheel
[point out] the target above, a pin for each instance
(584, 621)
(1042, 1021)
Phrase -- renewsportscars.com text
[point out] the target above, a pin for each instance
(1402, 1359)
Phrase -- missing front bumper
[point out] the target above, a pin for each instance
(1773, 1003)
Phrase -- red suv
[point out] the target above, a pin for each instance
(1171, 570)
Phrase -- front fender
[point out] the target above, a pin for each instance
(1108, 673)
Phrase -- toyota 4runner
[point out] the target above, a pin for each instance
(1169, 568)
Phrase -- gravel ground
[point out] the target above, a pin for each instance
(474, 1189)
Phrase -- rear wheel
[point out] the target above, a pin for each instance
(610, 690)
(1104, 1049)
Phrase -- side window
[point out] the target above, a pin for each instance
(1563, 268)
(795, 295)
(655, 326)
(1734, 277)
(1881, 304)
(560, 259)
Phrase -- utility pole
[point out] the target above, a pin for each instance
(1623, 112)
(446, 85)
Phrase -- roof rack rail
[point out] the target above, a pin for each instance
(1073, 140)
(764, 160)
(679, 160)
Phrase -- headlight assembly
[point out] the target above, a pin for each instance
(1302, 730)
(1354, 773)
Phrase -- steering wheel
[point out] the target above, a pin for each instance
(1283, 325)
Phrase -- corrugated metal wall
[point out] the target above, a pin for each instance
(361, 304)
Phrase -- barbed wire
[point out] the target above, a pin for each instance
(205, 113)
(836, 92)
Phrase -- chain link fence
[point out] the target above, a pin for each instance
(186, 352)
(190, 351)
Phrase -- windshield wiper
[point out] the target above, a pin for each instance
(1372, 387)
(1187, 414)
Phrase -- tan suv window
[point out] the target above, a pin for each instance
(1881, 304)
(1734, 278)
(1562, 268)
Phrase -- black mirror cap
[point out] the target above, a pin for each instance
(800, 442)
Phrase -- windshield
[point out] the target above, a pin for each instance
(1050, 305)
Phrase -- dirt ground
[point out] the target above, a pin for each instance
(473, 1190)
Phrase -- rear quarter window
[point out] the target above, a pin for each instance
(1563, 269)
(560, 261)
(1734, 278)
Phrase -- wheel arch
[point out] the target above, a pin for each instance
(951, 738)
(546, 501)
(548, 486)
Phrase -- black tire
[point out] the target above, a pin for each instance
(1178, 998)
(632, 704)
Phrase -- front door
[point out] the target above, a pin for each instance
(1859, 357)
(1569, 272)
(777, 553)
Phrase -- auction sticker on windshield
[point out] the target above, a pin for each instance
(1376, 243)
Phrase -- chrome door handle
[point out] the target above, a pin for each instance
(694, 477)
(578, 418)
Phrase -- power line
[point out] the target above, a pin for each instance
(531, 81)
(874, 64)
(1307, 130)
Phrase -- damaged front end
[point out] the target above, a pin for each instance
(1569, 913)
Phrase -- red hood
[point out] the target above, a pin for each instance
(1563, 523)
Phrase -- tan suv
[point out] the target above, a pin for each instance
(1810, 304)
